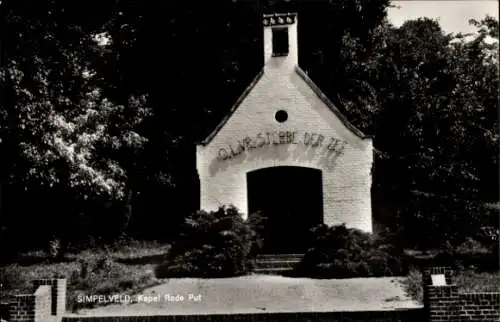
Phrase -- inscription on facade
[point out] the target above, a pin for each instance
(310, 139)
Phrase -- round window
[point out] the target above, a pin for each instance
(281, 116)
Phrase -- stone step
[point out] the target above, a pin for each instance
(277, 260)
(280, 256)
(271, 271)
(276, 263)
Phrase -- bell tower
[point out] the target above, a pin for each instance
(280, 40)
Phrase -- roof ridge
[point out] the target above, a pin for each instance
(313, 87)
(330, 104)
(235, 106)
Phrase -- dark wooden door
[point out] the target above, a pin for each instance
(291, 198)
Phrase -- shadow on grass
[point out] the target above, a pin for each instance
(143, 260)
(29, 260)
(288, 273)
(481, 262)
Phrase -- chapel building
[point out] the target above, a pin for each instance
(284, 149)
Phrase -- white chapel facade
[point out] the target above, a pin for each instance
(283, 121)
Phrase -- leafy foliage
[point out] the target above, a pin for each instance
(425, 222)
(340, 252)
(71, 149)
(443, 97)
(211, 244)
(256, 222)
(63, 138)
(436, 136)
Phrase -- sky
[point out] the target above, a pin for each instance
(453, 15)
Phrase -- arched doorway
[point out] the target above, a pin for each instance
(291, 198)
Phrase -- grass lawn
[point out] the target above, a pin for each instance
(98, 271)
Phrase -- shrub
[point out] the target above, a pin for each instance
(471, 246)
(340, 252)
(256, 223)
(471, 281)
(99, 274)
(413, 285)
(12, 279)
(211, 244)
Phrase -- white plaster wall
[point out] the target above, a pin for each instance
(346, 177)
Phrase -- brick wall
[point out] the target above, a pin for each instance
(43, 303)
(479, 306)
(58, 293)
(34, 307)
(446, 303)
(22, 308)
(441, 302)
(46, 303)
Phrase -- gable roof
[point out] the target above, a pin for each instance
(309, 82)
(233, 108)
(330, 105)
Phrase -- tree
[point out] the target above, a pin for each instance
(65, 142)
(437, 129)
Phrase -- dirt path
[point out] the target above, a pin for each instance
(261, 293)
